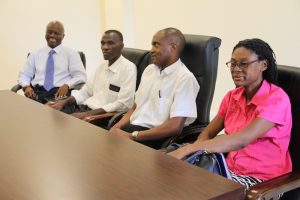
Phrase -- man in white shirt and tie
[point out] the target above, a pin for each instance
(52, 71)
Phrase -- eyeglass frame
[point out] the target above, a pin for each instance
(239, 65)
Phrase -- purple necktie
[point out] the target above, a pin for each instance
(49, 76)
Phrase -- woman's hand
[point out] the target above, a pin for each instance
(180, 153)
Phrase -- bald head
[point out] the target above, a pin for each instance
(55, 33)
(167, 45)
(57, 24)
(174, 36)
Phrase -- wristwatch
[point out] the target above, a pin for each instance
(134, 134)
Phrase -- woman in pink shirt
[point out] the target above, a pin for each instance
(256, 117)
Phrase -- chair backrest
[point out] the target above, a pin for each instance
(289, 80)
(141, 58)
(83, 59)
(200, 55)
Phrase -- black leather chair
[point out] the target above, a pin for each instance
(141, 58)
(17, 87)
(289, 184)
(200, 55)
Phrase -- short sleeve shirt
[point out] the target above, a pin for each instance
(268, 155)
(112, 87)
(165, 94)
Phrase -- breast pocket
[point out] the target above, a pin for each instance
(113, 91)
(164, 108)
(114, 88)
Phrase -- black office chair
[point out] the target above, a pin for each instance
(200, 55)
(289, 184)
(17, 87)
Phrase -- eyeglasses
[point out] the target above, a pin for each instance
(241, 65)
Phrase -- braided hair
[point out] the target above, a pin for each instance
(264, 52)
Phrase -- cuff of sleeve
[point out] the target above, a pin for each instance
(190, 116)
(183, 114)
(273, 118)
(114, 107)
(108, 108)
(70, 85)
(75, 94)
(24, 84)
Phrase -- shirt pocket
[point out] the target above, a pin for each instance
(113, 91)
(164, 107)
(114, 88)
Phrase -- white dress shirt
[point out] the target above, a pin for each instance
(165, 94)
(68, 68)
(112, 87)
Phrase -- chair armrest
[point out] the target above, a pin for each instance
(97, 118)
(15, 88)
(115, 119)
(272, 188)
(188, 134)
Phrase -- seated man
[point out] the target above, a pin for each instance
(112, 87)
(166, 98)
(51, 71)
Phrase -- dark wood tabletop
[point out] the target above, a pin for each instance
(48, 155)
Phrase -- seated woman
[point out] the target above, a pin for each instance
(256, 116)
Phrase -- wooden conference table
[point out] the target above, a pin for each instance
(48, 155)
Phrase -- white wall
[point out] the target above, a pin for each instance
(23, 25)
(274, 21)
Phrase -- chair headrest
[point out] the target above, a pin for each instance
(289, 80)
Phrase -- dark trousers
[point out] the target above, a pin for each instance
(155, 144)
(43, 96)
(72, 108)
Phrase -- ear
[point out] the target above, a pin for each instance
(264, 65)
(173, 46)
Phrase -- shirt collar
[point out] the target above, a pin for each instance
(57, 49)
(171, 68)
(258, 97)
(115, 66)
(261, 93)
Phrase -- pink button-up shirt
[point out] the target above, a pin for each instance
(267, 156)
